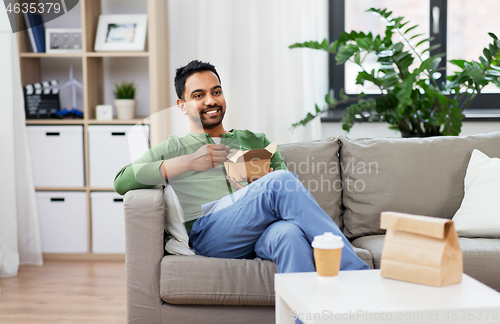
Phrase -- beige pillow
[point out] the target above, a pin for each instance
(174, 225)
(316, 164)
(479, 214)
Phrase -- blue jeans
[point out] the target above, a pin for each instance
(274, 218)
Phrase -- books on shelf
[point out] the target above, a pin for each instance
(30, 33)
(36, 31)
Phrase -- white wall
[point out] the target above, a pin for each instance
(381, 129)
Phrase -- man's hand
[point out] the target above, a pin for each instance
(208, 156)
(236, 185)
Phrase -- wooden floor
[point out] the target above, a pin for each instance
(65, 292)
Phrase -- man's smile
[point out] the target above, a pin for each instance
(211, 111)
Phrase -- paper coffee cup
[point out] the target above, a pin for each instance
(327, 254)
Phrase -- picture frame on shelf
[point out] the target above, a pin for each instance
(63, 40)
(121, 33)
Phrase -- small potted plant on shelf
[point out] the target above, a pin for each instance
(125, 102)
(411, 99)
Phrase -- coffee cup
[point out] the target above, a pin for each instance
(327, 254)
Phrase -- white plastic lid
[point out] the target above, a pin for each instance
(327, 241)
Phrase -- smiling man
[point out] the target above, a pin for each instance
(274, 217)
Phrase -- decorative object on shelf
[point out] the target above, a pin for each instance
(124, 100)
(63, 40)
(65, 113)
(104, 112)
(41, 100)
(36, 31)
(73, 83)
(411, 101)
(121, 33)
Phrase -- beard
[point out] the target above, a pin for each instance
(209, 122)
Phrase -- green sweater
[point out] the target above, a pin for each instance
(192, 188)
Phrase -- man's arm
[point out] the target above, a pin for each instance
(158, 164)
(277, 161)
(206, 157)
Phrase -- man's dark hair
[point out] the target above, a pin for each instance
(184, 72)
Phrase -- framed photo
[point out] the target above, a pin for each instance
(63, 40)
(121, 33)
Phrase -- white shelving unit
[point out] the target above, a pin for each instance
(98, 72)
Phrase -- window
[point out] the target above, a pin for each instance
(459, 26)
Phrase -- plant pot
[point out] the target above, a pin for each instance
(125, 108)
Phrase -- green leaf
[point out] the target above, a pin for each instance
(494, 73)
(377, 43)
(403, 93)
(429, 64)
(362, 77)
(410, 29)
(357, 58)
(493, 36)
(415, 36)
(483, 62)
(493, 50)
(316, 108)
(343, 95)
(345, 52)
(398, 47)
(364, 43)
(431, 48)
(312, 44)
(487, 54)
(459, 63)
(327, 99)
(430, 39)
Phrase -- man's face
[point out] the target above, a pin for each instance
(204, 100)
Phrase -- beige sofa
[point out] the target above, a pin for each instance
(352, 180)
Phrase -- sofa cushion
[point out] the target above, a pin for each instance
(421, 176)
(482, 259)
(374, 245)
(481, 256)
(199, 280)
(316, 164)
(202, 280)
(364, 255)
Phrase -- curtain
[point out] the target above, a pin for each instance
(267, 85)
(20, 241)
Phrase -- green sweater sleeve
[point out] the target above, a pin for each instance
(277, 161)
(144, 172)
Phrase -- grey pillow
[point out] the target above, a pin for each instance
(317, 166)
(423, 176)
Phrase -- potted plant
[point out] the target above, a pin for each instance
(411, 100)
(125, 100)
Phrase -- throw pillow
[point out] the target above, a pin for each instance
(479, 214)
(174, 225)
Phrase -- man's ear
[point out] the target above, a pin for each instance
(182, 105)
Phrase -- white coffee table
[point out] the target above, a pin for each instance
(365, 297)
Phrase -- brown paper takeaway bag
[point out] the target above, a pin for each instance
(420, 249)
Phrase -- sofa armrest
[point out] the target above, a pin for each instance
(144, 213)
